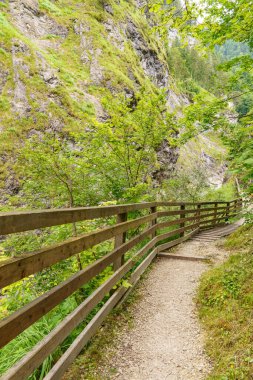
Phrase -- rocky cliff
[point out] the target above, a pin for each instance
(59, 59)
(208, 153)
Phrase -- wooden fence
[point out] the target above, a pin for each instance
(186, 219)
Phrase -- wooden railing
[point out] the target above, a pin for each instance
(156, 216)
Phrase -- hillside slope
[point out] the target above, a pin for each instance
(59, 59)
(63, 63)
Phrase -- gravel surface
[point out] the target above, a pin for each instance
(166, 342)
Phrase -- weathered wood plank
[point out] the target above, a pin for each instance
(26, 316)
(210, 203)
(172, 243)
(227, 211)
(22, 369)
(215, 215)
(187, 211)
(13, 222)
(210, 222)
(188, 219)
(138, 272)
(15, 269)
(175, 232)
(68, 357)
(154, 221)
(182, 216)
(223, 213)
(76, 347)
(29, 220)
(34, 358)
(181, 257)
(17, 322)
(199, 213)
(119, 240)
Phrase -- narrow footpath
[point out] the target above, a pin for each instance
(166, 342)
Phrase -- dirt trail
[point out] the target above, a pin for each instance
(166, 342)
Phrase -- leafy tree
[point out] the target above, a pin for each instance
(123, 149)
(224, 21)
(187, 183)
(192, 70)
(110, 160)
(55, 172)
(212, 23)
(231, 49)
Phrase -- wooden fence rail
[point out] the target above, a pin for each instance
(153, 225)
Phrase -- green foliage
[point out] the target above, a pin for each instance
(239, 140)
(62, 156)
(57, 170)
(130, 139)
(17, 348)
(70, 105)
(112, 160)
(225, 193)
(187, 184)
(206, 113)
(224, 20)
(231, 49)
(227, 24)
(240, 239)
(192, 70)
(245, 105)
(225, 301)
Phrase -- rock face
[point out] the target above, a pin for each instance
(167, 157)
(151, 64)
(89, 54)
(205, 151)
(47, 73)
(20, 68)
(3, 79)
(115, 34)
(33, 23)
(59, 61)
(216, 170)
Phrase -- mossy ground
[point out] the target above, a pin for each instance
(225, 304)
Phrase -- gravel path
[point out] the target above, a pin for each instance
(166, 342)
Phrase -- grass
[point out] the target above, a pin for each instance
(225, 304)
(21, 345)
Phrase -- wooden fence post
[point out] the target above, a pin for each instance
(198, 214)
(119, 240)
(227, 211)
(154, 221)
(182, 216)
(215, 213)
(235, 206)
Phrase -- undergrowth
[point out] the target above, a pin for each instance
(225, 302)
